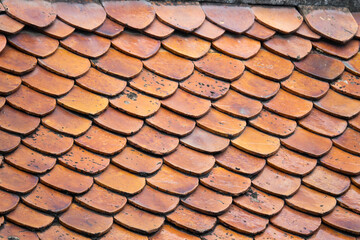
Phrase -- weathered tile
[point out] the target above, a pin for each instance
(209, 31)
(9, 25)
(117, 232)
(341, 161)
(207, 201)
(14, 180)
(65, 63)
(11, 230)
(102, 200)
(109, 29)
(120, 181)
(138, 220)
(58, 29)
(273, 233)
(306, 32)
(158, 30)
(281, 68)
(346, 51)
(259, 32)
(352, 65)
(16, 62)
(153, 141)
(351, 199)
(343, 220)
(296, 222)
(327, 181)
(237, 46)
(328, 233)
(349, 141)
(136, 44)
(347, 84)
(17, 122)
(169, 232)
(221, 232)
(8, 202)
(220, 66)
(58, 232)
(8, 142)
(84, 221)
(9, 83)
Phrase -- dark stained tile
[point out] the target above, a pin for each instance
(109, 29)
(17, 122)
(343, 220)
(273, 233)
(351, 199)
(58, 29)
(328, 233)
(169, 232)
(158, 30)
(349, 141)
(221, 232)
(117, 232)
(9, 25)
(14, 180)
(8, 83)
(346, 51)
(8, 202)
(209, 31)
(353, 65)
(341, 161)
(16, 62)
(306, 32)
(57, 231)
(12, 230)
(259, 32)
(347, 84)
(8, 142)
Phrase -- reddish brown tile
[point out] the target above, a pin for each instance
(327, 233)
(237, 46)
(9, 83)
(306, 32)
(168, 232)
(341, 161)
(14, 180)
(273, 233)
(16, 121)
(2, 102)
(343, 220)
(57, 232)
(14, 61)
(58, 29)
(9, 25)
(351, 199)
(209, 31)
(356, 16)
(346, 51)
(221, 232)
(355, 122)
(347, 84)
(8, 142)
(353, 65)
(11, 230)
(117, 232)
(109, 29)
(349, 141)
(158, 30)
(8, 202)
(259, 32)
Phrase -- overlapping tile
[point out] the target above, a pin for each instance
(58, 232)
(346, 51)
(16, 62)
(14, 180)
(341, 161)
(259, 32)
(352, 65)
(8, 201)
(350, 199)
(306, 32)
(209, 31)
(223, 232)
(109, 29)
(237, 46)
(12, 230)
(9, 25)
(168, 231)
(325, 232)
(158, 30)
(349, 141)
(343, 220)
(58, 29)
(9, 83)
(347, 84)
(293, 47)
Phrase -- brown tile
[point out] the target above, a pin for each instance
(259, 202)
(55, 178)
(117, 232)
(8, 202)
(220, 66)
(137, 162)
(233, 18)
(3, 42)
(168, 232)
(347, 84)
(158, 30)
(2, 102)
(189, 161)
(306, 32)
(341, 161)
(86, 44)
(209, 31)
(28, 160)
(273, 233)
(292, 162)
(182, 16)
(48, 83)
(327, 181)
(138, 220)
(355, 122)
(9, 25)
(154, 201)
(349, 141)
(29, 218)
(16, 62)
(14, 180)
(353, 65)
(102, 200)
(66, 122)
(38, 14)
(303, 141)
(296, 222)
(2, 220)
(58, 29)
(356, 16)
(153, 141)
(9, 83)
(84, 221)
(351, 199)
(169, 65)
(221, 232)
(109, 29)
(273, 124)
(259, 32)
(320, 66)
(136, 44)
(16, 121)
(137, 15)
(287, 19)
(8, 142)
(65, 63)
(58, 232)
(346, 51)
(190, 220)
(237, 46)
(47, 200)
(340, 26)
(327, 233)
(11, 230)
(120, 181)
(343, 220)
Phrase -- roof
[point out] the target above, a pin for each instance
(137, 120)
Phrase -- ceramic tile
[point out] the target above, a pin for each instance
(9, 25)
(306, 32)
(16, 62)
(14, 180)
(259, 32)
(351, 199)
(59, 232)
(109, 29)
(352, 65)
(9, 83)
(8, 202)
(209, 31)
(344, 220)
(12, 230)
(349, 141)
(347, 84)
(221, 232)
(346, 51)
(58, 29)
(341, 161)
(237, 46)
(167, 232)
(158, 30)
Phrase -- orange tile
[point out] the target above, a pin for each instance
(259, 32)
(221, 232)
(136, 44)
(11, 230)
(16, 62)
(57, 231)
(349, 141)
(341, 161)
(355, 122)
(327, 233)
(237, 46)
(2, 102)
(58, 29)
(8, 202)
(306, 32)
(158, 30)
(353, 65)
(9, 25)
(209, 31)
(8, 142)
(343, 220)
(9, 83)
(356, 16)
(347, 84)
(168, 232)
(14, 180)
(351, 199)
(16, 121)
(273, 233)
(117, 232)
(346, 51)
(109, 29)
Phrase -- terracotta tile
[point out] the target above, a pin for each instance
(153, 141)
(346, 51)
(14, 180)
(296, 222)
(343, 220)
(207, 201)
(233, 18)
(355, 122)
(182, 16)
(47, 199)
(79, 182)
(341, 161)
(48, 83)
(351, 199)
(237, 46)
(172, 181)
(287, 19)
(327, 233)
(9, 25)
(239, 161)
(9, 83)
(86, 44)
(349, 141)
(136, 44)
(327, 181)
(168, 232)
(8, 142)
(292, 162)
(117, 232)
(189, 161)
(11, 230)
(16, 62)
(347, 84)
(221, 232)
(190, 220)
(281, 68)
(306, 32)
(28, 160)
(138, 220)
(120, 181)
(102, 200)
(38, 14)
(220, 66)
(292, 46)
(27, 217)
(340, 25)
(306, 142)
(58, 29)
(273, 124)
(243, 221)
(137, 15)
(158, 30)
(84, 221)
(137, 162)
(17, 122)
(2, 220)
(353, 65)
(57, 232)
(8, 202)
(169, 65)
(320, 66)
(209, 31)
(154, 201)
(62, 62)
(259, 32)
(273, 233)
(356, 16)
(2, 102)
(86, 16)
(109, 29)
